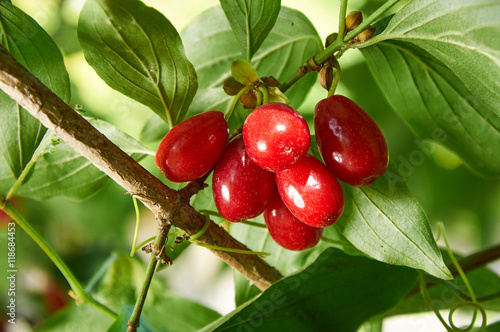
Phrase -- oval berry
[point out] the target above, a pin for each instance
(288, 231)
(311, 192)
(191, 148)
(276, 136)
(350, 142)
(241, 188)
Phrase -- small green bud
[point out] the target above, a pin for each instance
(244, 72)
(353, 20)
(366, 34)
(330, 39)
(232, 86)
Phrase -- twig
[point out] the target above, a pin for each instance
(165, 203)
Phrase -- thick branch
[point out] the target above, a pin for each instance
(166, 204)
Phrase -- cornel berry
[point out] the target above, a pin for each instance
(276, 136)
(192, 148)
(311, 192)
(350, 142)
(241, 188)
(286, 230)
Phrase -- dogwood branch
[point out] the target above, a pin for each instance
(168, 205)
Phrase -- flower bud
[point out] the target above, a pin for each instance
(330, 39)
(326, 76)
(232, 86)
(353, 20)
(366, 34)
(270, 81)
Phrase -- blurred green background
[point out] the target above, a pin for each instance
(85, 233)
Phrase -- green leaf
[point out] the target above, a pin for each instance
(386, 222)
(20, 133)
(463, 35)
(212, 47)
(162, 311)
(118, 289)
(66, 173)
(154, 130)
(138, 52)
(436, 104)
(337, 292)
(76, 318)
(251, 21)
(286, 261)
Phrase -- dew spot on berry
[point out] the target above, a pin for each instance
(287, 148)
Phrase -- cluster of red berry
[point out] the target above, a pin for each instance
(267, 169)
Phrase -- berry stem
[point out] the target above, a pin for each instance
(81, 296)
(235, 101)
(265, 95)
(336, 80)
(137, 222)
(236, 251)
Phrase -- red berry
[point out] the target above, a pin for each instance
(241, 188)
(286, 230)
(276, 136)
(311, 192)
(350, 142)
(192, 147)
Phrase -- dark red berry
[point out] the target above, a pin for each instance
(276, 136)
(241, 188)
(350, 142)
(192, 148)
(311, 192)
(288, 231)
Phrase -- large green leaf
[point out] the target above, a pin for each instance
(337, 292)
(286, 261)
(66, 173)
(462, 34)
(212, 47)
(251, 21)
(436, 104)
(386, 222)
(20, 133)
(138, 52)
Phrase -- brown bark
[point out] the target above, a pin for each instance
(168, 205)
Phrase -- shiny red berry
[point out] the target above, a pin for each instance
(276, 136)
(311, 192)
(192, 148)
(350, 142)
(286, 230)
(241, 188)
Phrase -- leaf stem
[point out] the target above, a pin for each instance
(343, 11)
(371, 19)
(81, 295)
(159, 243)
(336, 46)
